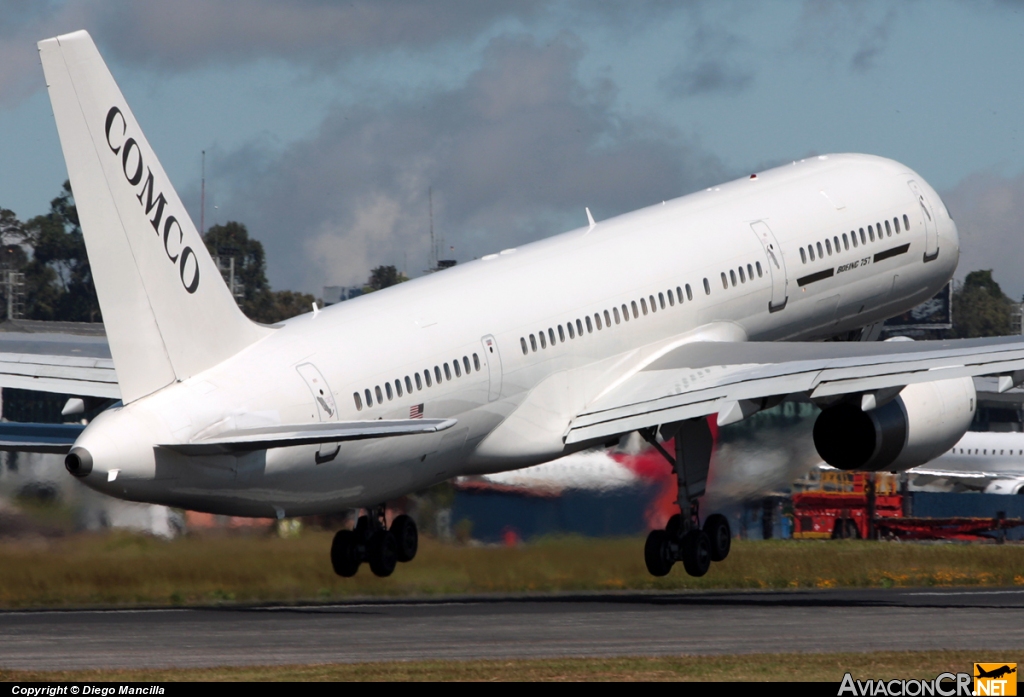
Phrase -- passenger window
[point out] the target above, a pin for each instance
(625, 313)
(572, 333)
(476, 358)
(561, 336)
(654, 305)
(707, 287)
(732, 277)
(359, 402)
(387, 388)
(846, 242)
(607, 319)
(408, 384)
(597, 319)
(419, 382)
(750, 272)
(835, 242)
(465, 362)
(437, 374)
(871, 233)
(725, 281)
(906, 222)
(821, 254)
(810, 250)
(398, 387)
(743, 278)
(888, 229)
(643, 305)
(590, 327)
(896, 223)
(551, 335)
(522, 342)
(458, 370)
(661, 300)
(447, 372)
(679, 295)
(543, 341)
(636, 312)
(853, 238)
(758, 265)
(803, 255)
(533, 345)
(579, 328)
(828, 247)
(380, 397)
(369, 399)
(863, 237)
(615, 312)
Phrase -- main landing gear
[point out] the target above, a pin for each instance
(683, 538)
(373, 542)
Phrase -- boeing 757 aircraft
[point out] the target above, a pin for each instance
(710, 304)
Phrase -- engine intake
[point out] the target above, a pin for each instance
(922, 422)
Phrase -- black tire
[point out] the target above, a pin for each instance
(696, 553)
(657, 553)
(383, 554)
(344, 554)
(720, 536)
(407, 537)
(674, 527)
(362, 527)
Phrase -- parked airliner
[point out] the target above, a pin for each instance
(988, 461)
(712, 303)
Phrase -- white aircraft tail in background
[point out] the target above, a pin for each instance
(167, 313)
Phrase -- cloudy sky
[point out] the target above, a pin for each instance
(326, 123)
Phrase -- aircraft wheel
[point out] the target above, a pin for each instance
(720, 536)
(657, 553)
(407, 539)
(696, 553)
(383, 553)
(344, 554)
(673, 528)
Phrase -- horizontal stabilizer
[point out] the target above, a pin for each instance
(38, 438)
(81, 376)
(247, 440)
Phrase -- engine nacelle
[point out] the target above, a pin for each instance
(925, 420)
(1005, 486)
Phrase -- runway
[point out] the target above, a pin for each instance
(609, 624)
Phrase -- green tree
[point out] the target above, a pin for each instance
(232, 240)
(980, 308)
(286, 304)
(58, 278)
(383, 277)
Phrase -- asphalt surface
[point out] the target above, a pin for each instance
(517, 627)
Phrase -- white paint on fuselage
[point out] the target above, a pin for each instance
(384, 336)
(981, 453)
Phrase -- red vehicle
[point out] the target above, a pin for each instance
(864, 505)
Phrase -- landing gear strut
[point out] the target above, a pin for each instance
(373, 542)
(683, 538)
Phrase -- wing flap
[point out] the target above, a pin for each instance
(248, 440)
(699, 378)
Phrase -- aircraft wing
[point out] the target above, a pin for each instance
(56, 361)
(733, 378)
(247, 440)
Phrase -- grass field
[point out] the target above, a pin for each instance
(128, 569)
(828, 667)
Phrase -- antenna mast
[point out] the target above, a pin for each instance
(433, 245)
(202, 200)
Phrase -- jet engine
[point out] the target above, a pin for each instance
(923, 421)
(1005, 486)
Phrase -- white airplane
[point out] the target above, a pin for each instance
(992, 462)
(707, 304)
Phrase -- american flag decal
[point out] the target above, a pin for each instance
(416, 411)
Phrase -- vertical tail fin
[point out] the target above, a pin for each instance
(167, 312)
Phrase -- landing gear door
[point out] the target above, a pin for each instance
(326, 409)
(776, 265)
(931, 232)
(493, 360)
